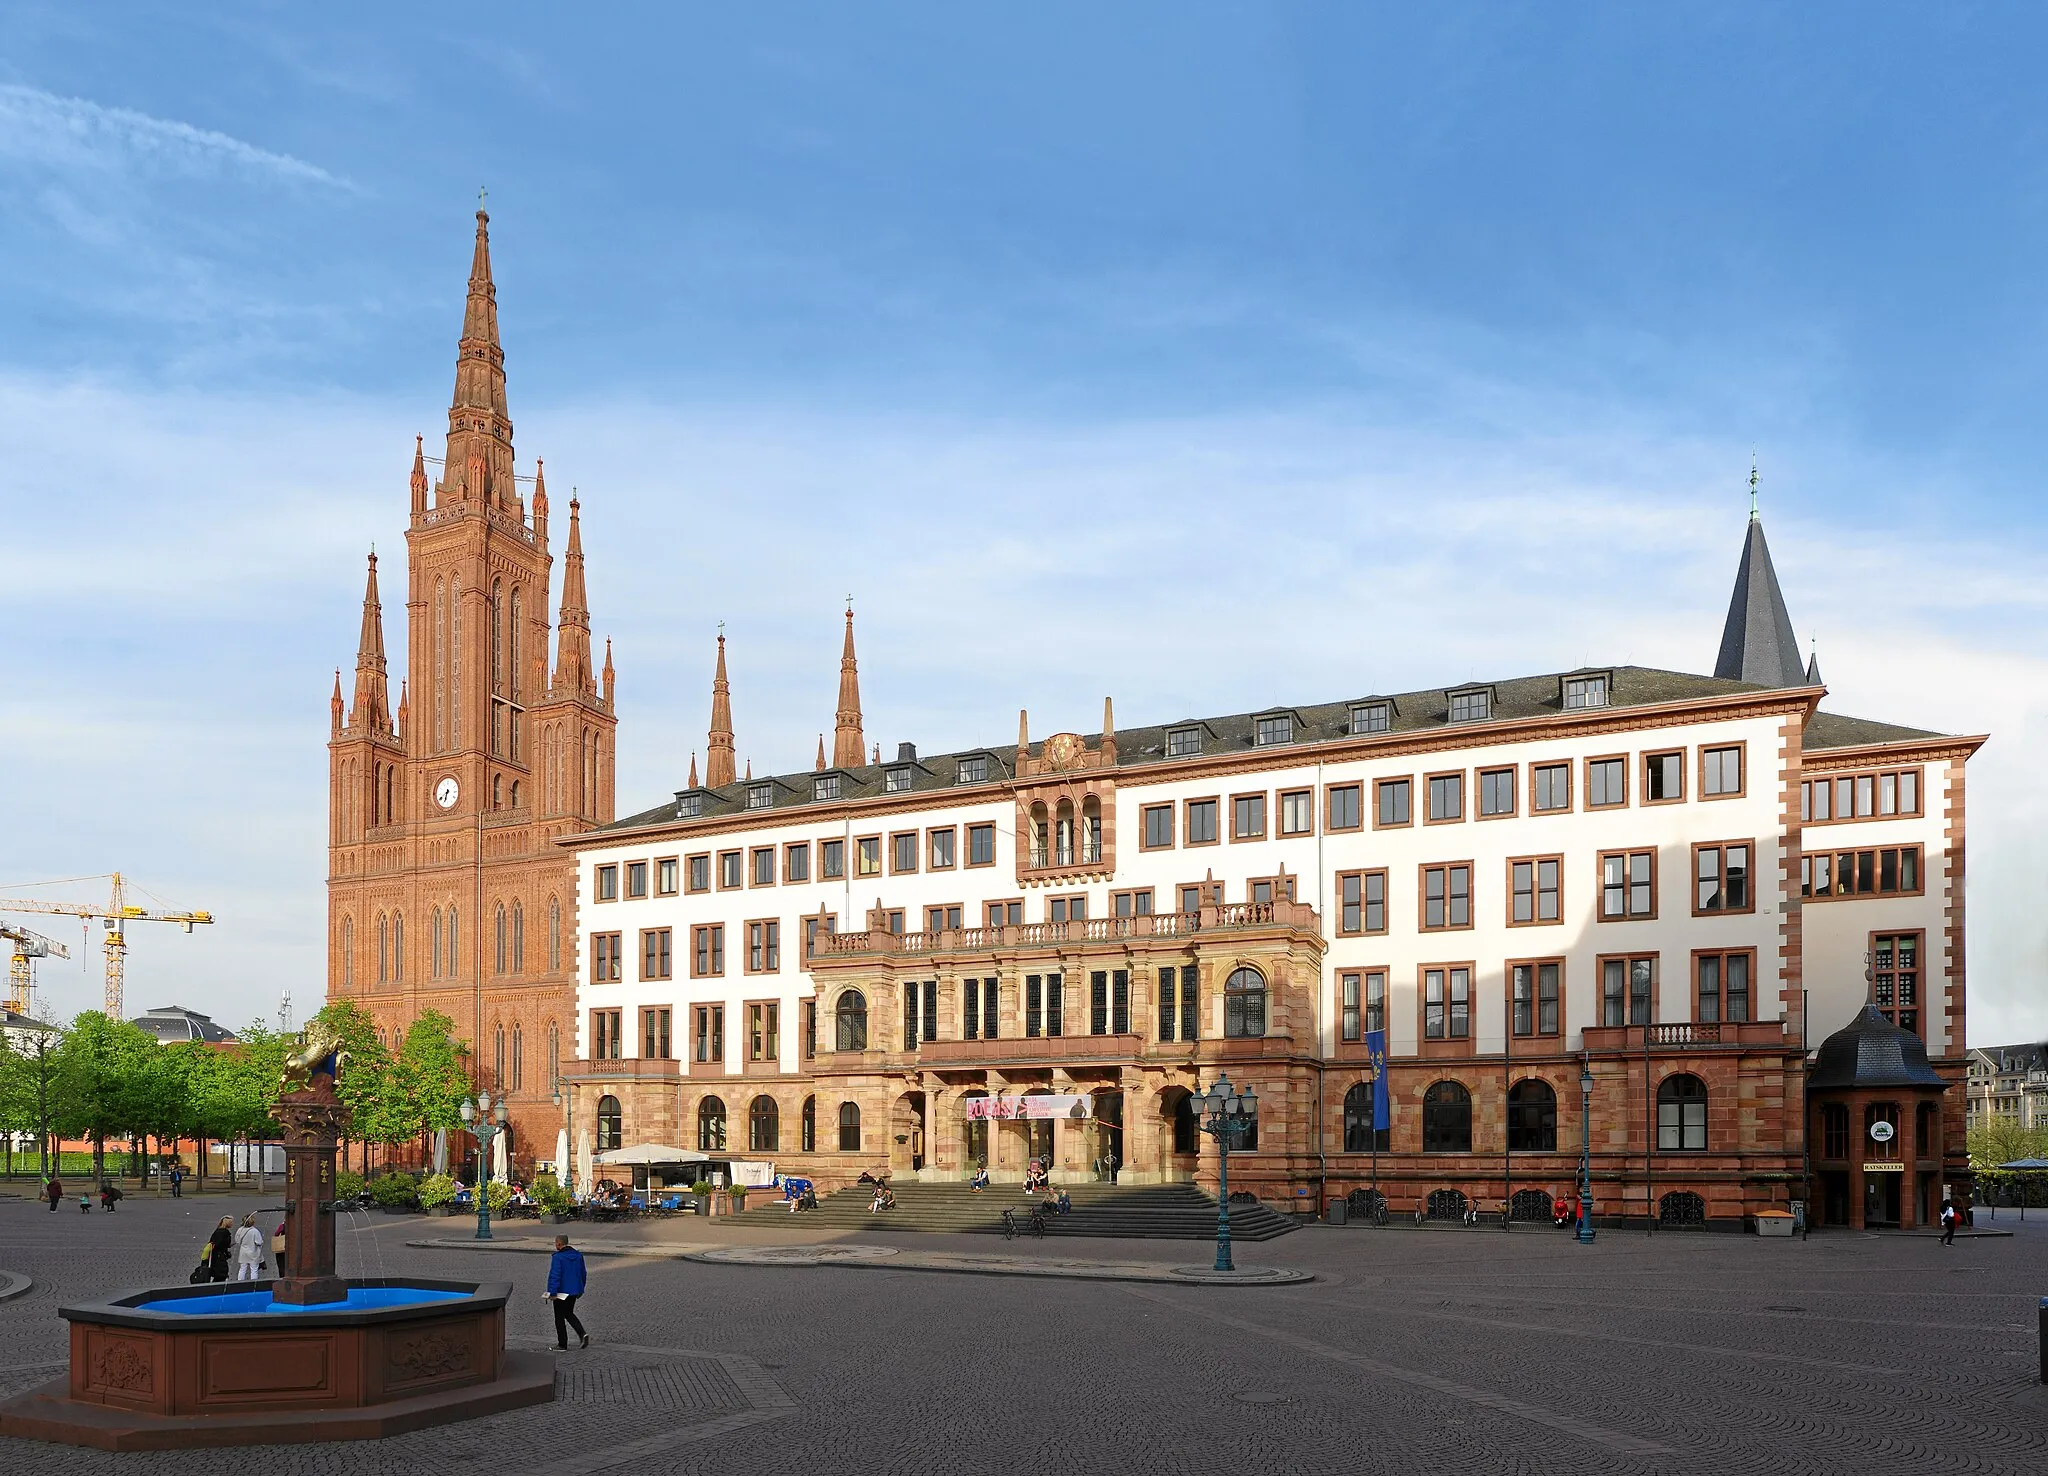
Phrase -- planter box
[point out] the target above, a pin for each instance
(398, 1209)
(1774, 1223)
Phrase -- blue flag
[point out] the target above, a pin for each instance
(1376, 1052)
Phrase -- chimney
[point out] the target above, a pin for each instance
(906, 753)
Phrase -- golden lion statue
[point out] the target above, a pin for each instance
(318, 1053)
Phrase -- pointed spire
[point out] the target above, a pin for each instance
(1023, 738)
(572, 646)
(750, 771)
(819, 766)
(540, 502)
(1108, 731)
(1813, 665)
(718, 756)
(693, 769)
(372, 707)
(404, 704)
(1757, 643)
(610, 676)
(848, 745)
(419, 476)
(1752, 486)
(878, 753)
(335, 710)
(478, 467)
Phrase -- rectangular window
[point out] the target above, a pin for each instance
(1534, 884)
(764, 866)
(1628, 885)
(1350, 902)
(903, 852)
(1183, 742)
(970, 1009)
(1720, 772)
(796, 862)
(665, 877)
(1132, 904)
(1053, 1001)
(707, 948)
(1247, 817)
(1497, 792)
(654, 953)
(699, 872)
(1895, 978)
(1278, 729)
(1158, 827)
(1392, 802)
(1606, 783)
(1446, 797)
(1550, 787)
(1724, 986)
(708, 1034)
(764, 946)
(973, 770)
(1585, 692)
(1190, 1003)
(1006, 914)
(1343, 812)
(728, 870)
(1471, 707)
(825, 787)
(1663, 777)
(896, 781)
(1627, 990)
(1201, 822)
(1860, 796)
(1376, 1000)
(891, 920)
(636, 880)
(981, 845)
(867, 856)
(764, 1031)
(940, 848)
(689, 806)
(1190, 899)
(831, 860)
(1298, 812)
(1165, 1012)
(1350, 988)
(760, 796)
(1721, 878)
(1535, 987)
(607, 883)
(1066, 909)
(1098, 1002)
(607, 959)
(607, 1035)
(1371, 717)
(1447, 1003)
(654, 1035)
(1882, 871)
(1446, 897)
(1034, 1006)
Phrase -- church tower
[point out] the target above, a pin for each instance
(445, 889)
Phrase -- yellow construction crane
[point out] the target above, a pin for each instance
(115, 917)
(21, 972)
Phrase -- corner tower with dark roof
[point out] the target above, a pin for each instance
(1757, 644)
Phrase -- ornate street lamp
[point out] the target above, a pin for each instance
(1585, 1234)
(1227, 1115)
(483, 1120)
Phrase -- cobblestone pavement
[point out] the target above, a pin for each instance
(1412, 1351)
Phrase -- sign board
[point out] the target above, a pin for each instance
(1882, 1131)
(1884, 1168)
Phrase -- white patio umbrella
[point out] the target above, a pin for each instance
(583, 1161)
(562, 1156)
(644, 1154)
(500, 1167)
(440, 1150)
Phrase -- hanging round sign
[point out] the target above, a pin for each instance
(1881, 1131)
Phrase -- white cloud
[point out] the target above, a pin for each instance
(70, 133)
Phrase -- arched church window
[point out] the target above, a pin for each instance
(498, 1056)
(518, 937)
(554, 936)
(851, 1017)
(383, 949)
(398, 948)
(498, 955)
(348, 953)
(434, 945)
(518, 1057)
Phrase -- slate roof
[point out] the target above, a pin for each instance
(1412, 712)
(2016, 1059)
(174, 1022)
(1870, 1051)
(1757, 644)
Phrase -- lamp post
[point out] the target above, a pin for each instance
(483, 1120)
(1225, 1114)
(1585, 1233)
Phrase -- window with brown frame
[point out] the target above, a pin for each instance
(697, 872)
(831, 860)
(707, 950)
(729, 863)
(1067, 909)
(708, 1035)
(1496, 793)
(1446, 996)
(1535, 890)
(666, 876)
(1550, 788)
(1606, 782)
(1269, 889)
(1879, 871)
(796, 861)
(1721, 878)
(654, 953)
(1628, 989)
(1297, 812)
(1895, 978)
(1628, 885)
(607, 958)
(944, 917)
(1199, 822)
(824, 922)
(1134, 903)
(1157, 832)
(1009, 913)
(1362, 1002)
(1725, 984)
(1361, 902)
(764, 946)
(1446, 797)
(903, 852)
(607, 1035)
(1877, 794)
(764, 866)
(636, 881)
(867, 855)
(888, 920)
(981, 845)
(1664, 777)
(764, 1031)
(655, 1044)
(1446, 897)
(1343, 810)
(1721, 772)
(940, 846)
(1247, 817)
(1393, 803)
(1536, 988)
(607, 883)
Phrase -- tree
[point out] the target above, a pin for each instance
(367, 1083)
(253, 1085)
(431, 1075)
(28, 1068)
(98, 1072)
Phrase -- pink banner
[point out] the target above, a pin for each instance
(1040, 1107)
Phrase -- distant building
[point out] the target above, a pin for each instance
(21, 1031)
(2008, 1083)
(171, 1023)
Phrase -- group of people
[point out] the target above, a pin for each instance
(241, 1246)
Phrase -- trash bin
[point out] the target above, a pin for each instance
(1339, 1212)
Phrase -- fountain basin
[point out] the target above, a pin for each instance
(168, 1368)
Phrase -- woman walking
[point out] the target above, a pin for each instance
(218, 1246)
(54, 1192)
(248, 1250)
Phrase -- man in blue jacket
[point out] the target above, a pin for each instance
(565, 1285)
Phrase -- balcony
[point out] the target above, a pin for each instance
(1237, 917)
(1687, 1035)
(1029, 1049)
(1088, 853)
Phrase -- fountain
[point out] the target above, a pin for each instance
(308, 1356)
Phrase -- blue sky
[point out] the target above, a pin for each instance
(1201, 355)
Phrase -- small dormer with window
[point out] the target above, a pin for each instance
(1184, 742)
(1373, 715)
(760, 796)
(1585, 689)
(1275, 727)
(897, 779)
(973, 768)
(1469, 704)
(689, 803)
(826, 786)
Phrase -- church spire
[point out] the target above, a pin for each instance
(572, 648)
(419, 477)
(718, 755)
(1757, 644)
(372, 708)
(848, 749)
(335, 710)
(693, 769)
(540, 502)
(479, 462)
(819, 766)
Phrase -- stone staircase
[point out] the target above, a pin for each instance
(1134, 1211)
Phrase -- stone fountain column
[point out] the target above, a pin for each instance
(314, 1120)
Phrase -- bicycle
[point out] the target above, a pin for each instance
(1012, 1228)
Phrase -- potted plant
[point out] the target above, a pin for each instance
(395, 1194)
(701, 1193)
(738, 1195)
(500, 1196)
(555, 1201)
(437, 1194)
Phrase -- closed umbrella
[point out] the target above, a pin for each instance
(440, 1150)
(500, 1168)
(562, 1156)
(583, 1161)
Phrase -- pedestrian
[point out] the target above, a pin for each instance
(248, 1250)
(177, 1180)
(1949, 1220)
(109, 1195)
(218, 1247)
(566, 1279)
(53, 1190)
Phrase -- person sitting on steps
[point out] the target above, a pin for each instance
(980, 1181)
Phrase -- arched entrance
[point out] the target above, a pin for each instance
(1179, 1139)
(906, 1134)
(1107, 1150)
(973, 1136)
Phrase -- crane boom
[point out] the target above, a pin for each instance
(21, 972)
(114, 917)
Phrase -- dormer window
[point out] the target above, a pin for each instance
(1183, 742)
(689, 806)
(1588, 691)
(760, 796)
(1372, 717)
(973, 770)
(896, 781)
(1276, 729)
(1471, 707)
(825, 787)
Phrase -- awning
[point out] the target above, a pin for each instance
(649, 1153)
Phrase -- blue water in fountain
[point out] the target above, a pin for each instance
(360, 1298)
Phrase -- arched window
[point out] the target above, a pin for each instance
(1040, 856)
(455, 667)
(398, 948)
(554, 936)
(1532, 1118)
(497, 782)
(498, 1055)
(554, 1057)
(518, 1057)
(1358, 1118)
(1681, 1115)
(807, 1133)
(452, 941)
(761, 1125)
(512, 644)
(1926, 1121)
(1091, 830)
(499, 940)
(515, 782)
(1244, 1004)
(1447, 1119)
(518, 935)
(1187, 1134)
(383, 949)
(434, 945)
(348, 953)
(849, 1127)
(711, 1125)
(851, 1019)
(608, 1124)
(440, 666)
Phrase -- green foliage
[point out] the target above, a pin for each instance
(553, 1198)
(500, 1196)
(2003, 1141)
(100, 1069)
(366, 1084)
(394, 1191)
(702, 1186)
(28, 1083)
(436, 1190)
(347, 1184)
